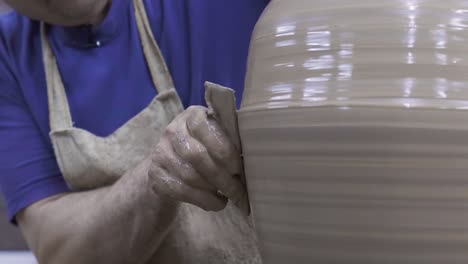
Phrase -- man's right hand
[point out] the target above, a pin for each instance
(195, 162)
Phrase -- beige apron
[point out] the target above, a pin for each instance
(88, 161)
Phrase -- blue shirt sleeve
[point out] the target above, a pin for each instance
(28, 169)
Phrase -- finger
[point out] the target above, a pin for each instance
(243, 204)
(179, 168)
(197, 155)
(210, 134)
(172, 187)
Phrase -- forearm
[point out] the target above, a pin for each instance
(122, 223)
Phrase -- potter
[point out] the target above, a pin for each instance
(106, 154)
(354, 125)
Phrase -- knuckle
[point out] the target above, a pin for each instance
(170, 132)
(196, 109)
(195, 119)
(195, 114)
(156, 151)
(158, 155)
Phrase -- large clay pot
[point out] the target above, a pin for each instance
(354, 126)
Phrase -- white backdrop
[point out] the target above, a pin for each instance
(16, 258)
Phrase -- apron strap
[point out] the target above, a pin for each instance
(59, 110)
(154, 59)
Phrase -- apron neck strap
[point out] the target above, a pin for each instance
(160, 74)
(59, 110)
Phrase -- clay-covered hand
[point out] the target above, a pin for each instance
(195, 162)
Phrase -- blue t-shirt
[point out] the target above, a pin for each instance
(106, 77)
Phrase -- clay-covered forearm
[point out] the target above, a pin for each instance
(122, 223)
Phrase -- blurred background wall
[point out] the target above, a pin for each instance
(10, 236)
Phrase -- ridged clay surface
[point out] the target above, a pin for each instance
(354, 127)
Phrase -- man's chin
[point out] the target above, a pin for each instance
(63, 13)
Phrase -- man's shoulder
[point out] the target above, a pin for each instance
(16, 30)
(16, 33)
(11, 21)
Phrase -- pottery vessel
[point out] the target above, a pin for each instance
(354, 127)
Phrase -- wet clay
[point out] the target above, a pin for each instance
(353, 128)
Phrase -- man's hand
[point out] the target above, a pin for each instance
(195, 162)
